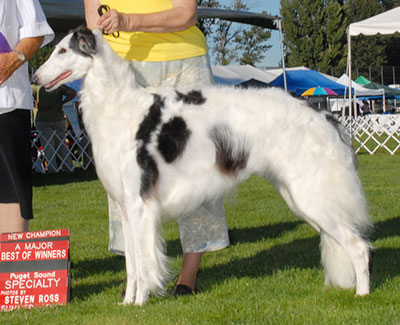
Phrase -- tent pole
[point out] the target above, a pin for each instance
(384, 101)
(350, 90)
(355, 104)
(282, 54)
(345, 92)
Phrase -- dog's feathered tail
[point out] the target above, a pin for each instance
(339, 269)
(343, 261)
(346, 262)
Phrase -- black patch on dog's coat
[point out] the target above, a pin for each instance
(173, 138)
(83, 42)
(192, 97)
(150, 174)
(145, 161)
(151, 120)
(229, 160)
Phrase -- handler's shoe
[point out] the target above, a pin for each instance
(183, 290)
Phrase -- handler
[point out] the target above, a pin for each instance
(166, 49)
(24, 27)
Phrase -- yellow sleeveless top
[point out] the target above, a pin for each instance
(143, 46)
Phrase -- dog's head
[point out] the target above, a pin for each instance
(70, 60)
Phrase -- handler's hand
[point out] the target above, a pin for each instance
(112, 21)
(9, 63)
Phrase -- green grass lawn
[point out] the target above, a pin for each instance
(270, 274)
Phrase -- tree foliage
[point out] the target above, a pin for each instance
(206, 25)
(392, 49)
(225, 34)
(335, 52)
(315, 34)
(367, 51)
(304, 35)
(40, 57)
(232, 42)
(251, 44)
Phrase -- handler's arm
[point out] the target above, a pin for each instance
(91, 15)
(10, 62)
(181, 16)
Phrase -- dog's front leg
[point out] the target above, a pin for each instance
(145, 252)
(130, 292)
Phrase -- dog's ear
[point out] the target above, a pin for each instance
(83, 41)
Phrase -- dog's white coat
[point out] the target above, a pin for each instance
(293, 146)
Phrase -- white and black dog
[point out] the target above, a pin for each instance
(165, 152)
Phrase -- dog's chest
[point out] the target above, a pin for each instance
(114, 150)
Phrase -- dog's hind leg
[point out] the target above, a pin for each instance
(344, 253)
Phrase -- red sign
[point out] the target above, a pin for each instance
(28, 289)
(28, 251)
(30, 235)
(34, 269)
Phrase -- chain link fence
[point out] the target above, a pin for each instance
(55, 154)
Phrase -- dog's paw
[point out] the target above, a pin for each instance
(363, 287)
(126, 302)
(141, 298)
(363, 293)
(140, 302)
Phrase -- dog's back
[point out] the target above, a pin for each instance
(234, 133)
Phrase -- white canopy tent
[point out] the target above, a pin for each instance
(237, 74)
(359, 91)
(385, 23)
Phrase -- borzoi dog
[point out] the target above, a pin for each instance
(165, 152)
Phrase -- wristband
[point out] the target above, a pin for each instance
(20, 55)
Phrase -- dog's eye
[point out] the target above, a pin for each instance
(62, 51)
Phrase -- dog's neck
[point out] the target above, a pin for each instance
(108, 75)
(115, 71)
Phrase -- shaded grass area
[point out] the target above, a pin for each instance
(270, 274)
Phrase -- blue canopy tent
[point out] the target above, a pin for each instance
(298, 81)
